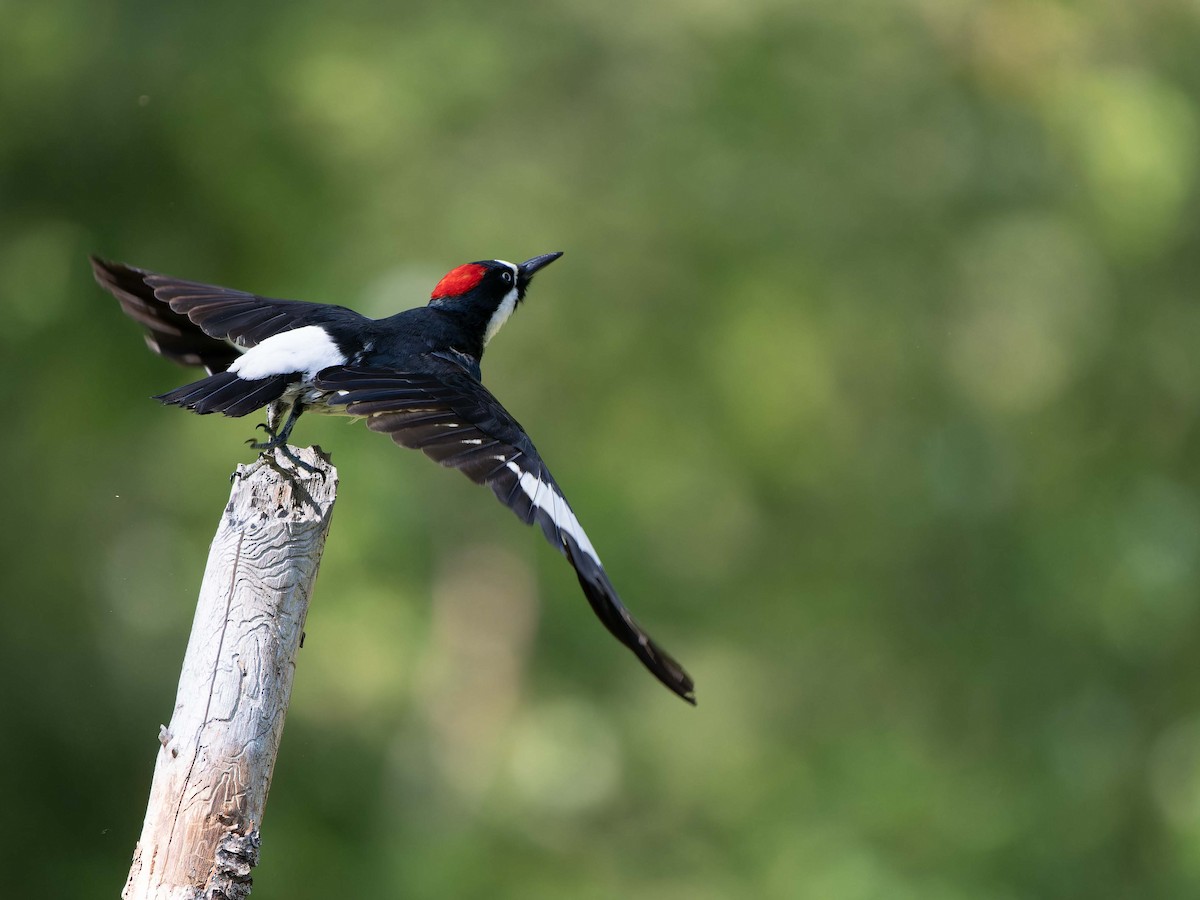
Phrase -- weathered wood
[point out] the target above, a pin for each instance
(201, 834)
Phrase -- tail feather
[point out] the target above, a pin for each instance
(268, 391)
(226, 393)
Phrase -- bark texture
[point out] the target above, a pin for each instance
(213, 771)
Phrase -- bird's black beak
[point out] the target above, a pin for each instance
(526, 270)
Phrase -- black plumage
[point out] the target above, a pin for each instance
(168, 333)
(458, 423)
(226, 393)
(414, 376)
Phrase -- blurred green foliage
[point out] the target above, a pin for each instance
(871, 369)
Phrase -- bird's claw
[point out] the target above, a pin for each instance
(286, 452)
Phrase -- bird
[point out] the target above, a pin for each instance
(414, 376)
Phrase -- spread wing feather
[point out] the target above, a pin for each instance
(168, 333)
(244, 319)
(455, 420)
(202, 324)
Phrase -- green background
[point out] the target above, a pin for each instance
(871, 369)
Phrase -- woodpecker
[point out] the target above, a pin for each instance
(414, 376)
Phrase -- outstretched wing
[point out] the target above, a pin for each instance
(202, 324)
(455, 420)
(168, 333)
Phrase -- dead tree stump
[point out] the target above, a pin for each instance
(213, 770)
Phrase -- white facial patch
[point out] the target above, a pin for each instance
(545, 498)
(506, 307)
(309, 350)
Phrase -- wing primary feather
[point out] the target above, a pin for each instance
(168, 333)
(418, 411)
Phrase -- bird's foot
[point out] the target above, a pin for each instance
(275, 439)
(278, 444)
(284, 450)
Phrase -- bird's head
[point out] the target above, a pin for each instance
(487, 292)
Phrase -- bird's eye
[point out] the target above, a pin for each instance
(507, 276)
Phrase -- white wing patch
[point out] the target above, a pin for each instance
(309, 350)
(549, 502)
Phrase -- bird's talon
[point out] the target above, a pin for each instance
(273, 459)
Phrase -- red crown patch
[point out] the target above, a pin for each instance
(458, 281)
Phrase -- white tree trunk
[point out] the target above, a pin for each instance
(201, 834)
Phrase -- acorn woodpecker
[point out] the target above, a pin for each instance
(414, 376)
